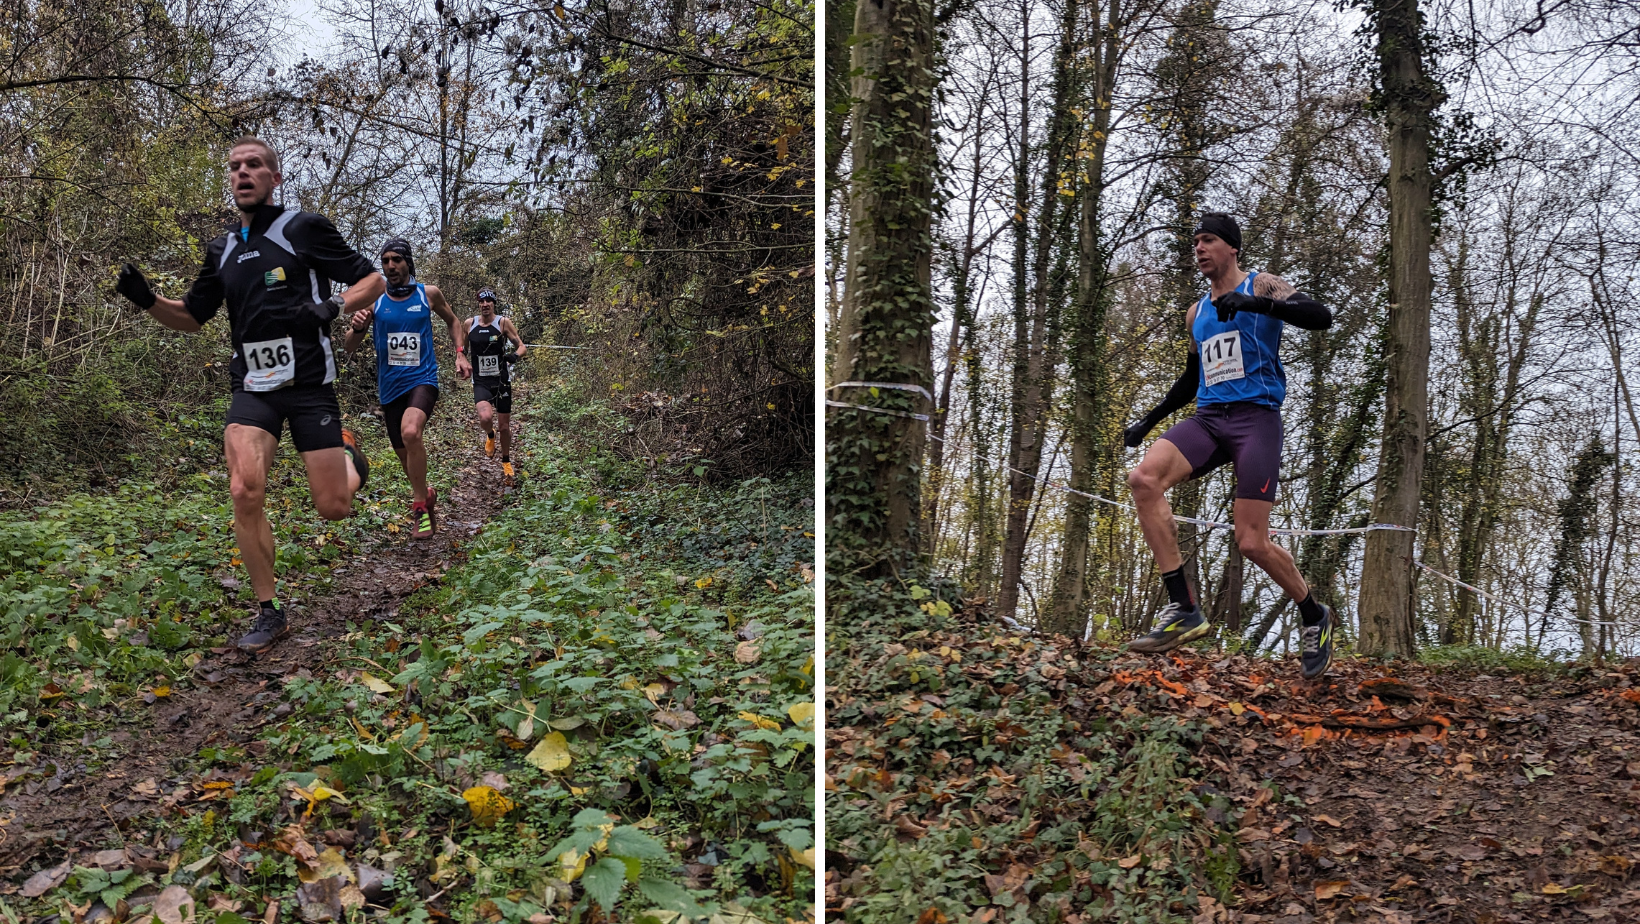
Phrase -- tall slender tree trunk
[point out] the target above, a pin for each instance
(873, 483)
(1386, 602)
(1035, 303)
(1089, 341)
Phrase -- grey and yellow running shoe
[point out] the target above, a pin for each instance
(1179, 625)
(1316, 645)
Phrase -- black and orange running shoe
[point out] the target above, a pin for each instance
(350, 444)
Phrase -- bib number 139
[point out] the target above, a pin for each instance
(1221, 358)
(489, 365)
(269, 364)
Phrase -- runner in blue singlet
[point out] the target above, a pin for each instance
(1234, 375)
(401, 323)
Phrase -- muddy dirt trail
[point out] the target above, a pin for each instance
(230, 695)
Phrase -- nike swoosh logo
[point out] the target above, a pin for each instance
(1266, 486)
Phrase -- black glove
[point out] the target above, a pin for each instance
(1231, 302)
(327, 310)
(134, 285)
(1135, 434)
(512, 358)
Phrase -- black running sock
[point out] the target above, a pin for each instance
(506, 458)
(270, 605)
(1178, 589)
(1309, 610)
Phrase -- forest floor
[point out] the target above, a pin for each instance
(586, 697)
(1063, 781)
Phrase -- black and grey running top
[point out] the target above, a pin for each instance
(489, 346)
(268, 274)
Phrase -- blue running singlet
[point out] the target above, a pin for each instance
(1240, 359)
(404, 344)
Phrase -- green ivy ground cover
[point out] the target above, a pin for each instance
(604, 712)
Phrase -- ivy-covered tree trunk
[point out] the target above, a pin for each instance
(873, 483)
(1409, 98)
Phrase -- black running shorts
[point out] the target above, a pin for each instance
(422, 397)
(315, 417)
(496, 391)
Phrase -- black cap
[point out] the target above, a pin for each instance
(1221, 226)
(401, 247)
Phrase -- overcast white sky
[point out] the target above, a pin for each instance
(309, 34)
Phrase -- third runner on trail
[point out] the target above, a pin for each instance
(274, 271)
(406, 369)
(487, 336)
(1235, 377)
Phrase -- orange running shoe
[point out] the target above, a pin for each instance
(507, 470)
(489, 447)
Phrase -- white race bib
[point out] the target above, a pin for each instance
(404, 349)
(489, 365)
(269, 364)
(1221, 358)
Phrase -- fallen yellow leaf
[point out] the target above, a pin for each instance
(1129, 862)
(376, 684)
(1237, 708)
(572, 863)
(803, 857)
(487, 805)
(552, 754)
(760, 721)
(802, 714)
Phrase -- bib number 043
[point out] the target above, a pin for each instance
(1221, 358)
(404, 349)
(269, 364)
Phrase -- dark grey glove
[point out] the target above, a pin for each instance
(134, 285)
(327, 310)
(1231, 302)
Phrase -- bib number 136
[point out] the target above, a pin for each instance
(1221, 358)
(269, 364)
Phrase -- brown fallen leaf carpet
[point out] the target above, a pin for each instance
(975, 775)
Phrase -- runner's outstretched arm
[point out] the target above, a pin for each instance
(1182, 393)
(512, 334)
(1277, 298)
(171, 312)
(441, 307)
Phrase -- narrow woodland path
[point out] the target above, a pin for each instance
(1084, 780)
(232, 694)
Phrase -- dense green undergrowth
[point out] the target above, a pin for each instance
(105, 596)
(968, 780)
(605, 711)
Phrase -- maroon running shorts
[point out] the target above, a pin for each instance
(1245, 434)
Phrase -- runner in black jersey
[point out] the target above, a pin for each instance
(487, 337)
(275, 272)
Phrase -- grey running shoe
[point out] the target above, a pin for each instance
(1179, 625)
(1316, 645)
(270, 627)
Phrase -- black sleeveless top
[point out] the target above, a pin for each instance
(489, 346)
